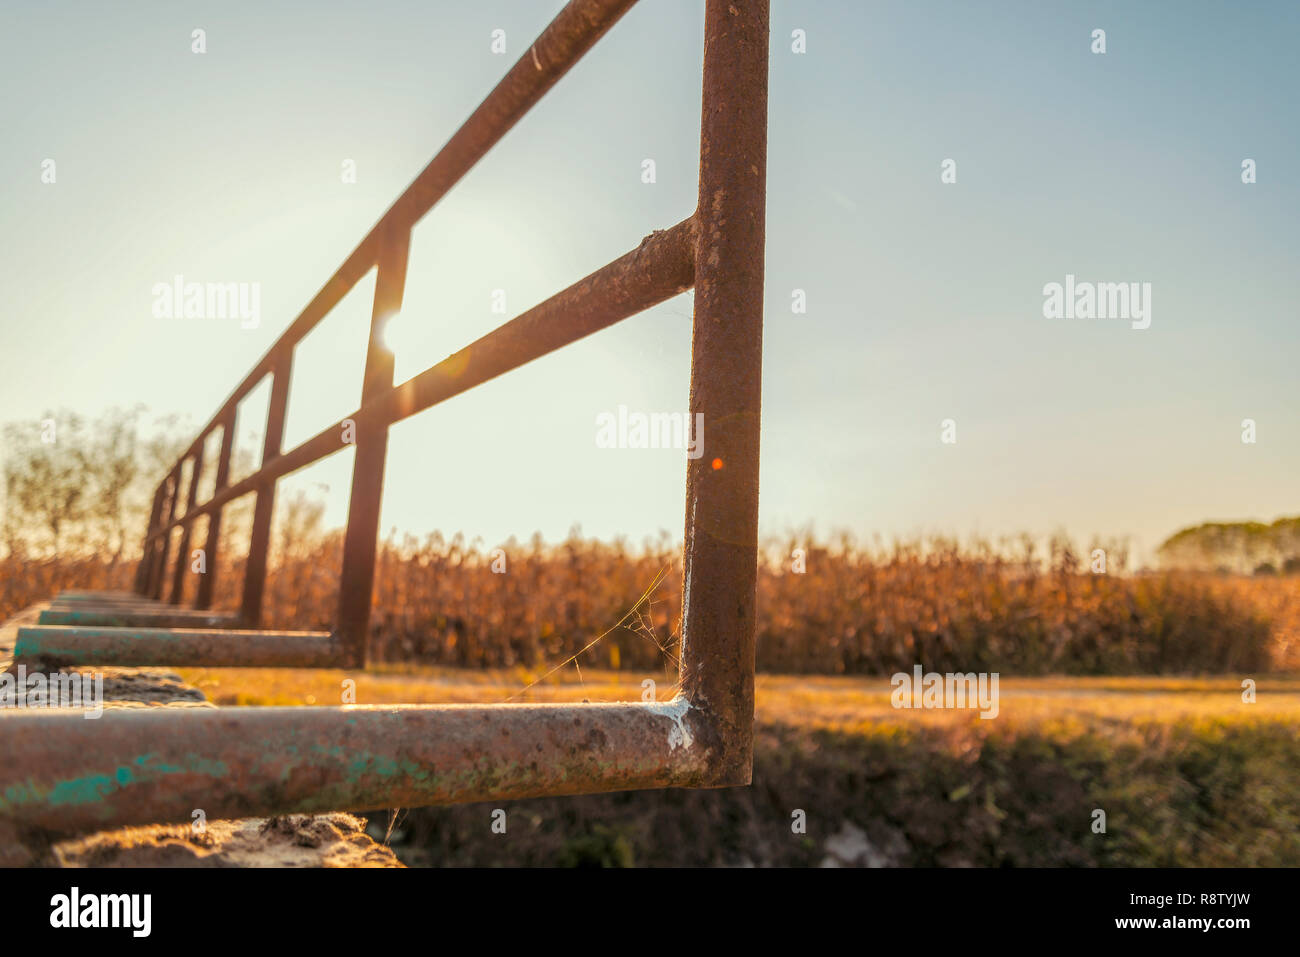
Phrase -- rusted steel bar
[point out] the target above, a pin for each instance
(160, 568)
(207, 581)
(110, 607)
(575, 29)
(153, 542)
(49, 646)
(90, 593)
(183, 553)
(63, 774)
(156, 540)
(662, 266)
(125, 597)
(107, 607)
(92, 604)
(720, 555)
(146, 555)
(136, 618)
(259, 544)
(357, 578)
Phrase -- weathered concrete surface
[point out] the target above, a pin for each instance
(298, 840)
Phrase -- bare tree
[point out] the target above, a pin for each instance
(75, 486)
(113, 466)
(45, 477)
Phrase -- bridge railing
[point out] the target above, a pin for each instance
(661, 267)
(160, 764)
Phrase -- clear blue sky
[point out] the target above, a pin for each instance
(924, 299)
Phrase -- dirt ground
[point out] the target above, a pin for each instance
(296, 840)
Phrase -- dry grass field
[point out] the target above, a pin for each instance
(816, 700)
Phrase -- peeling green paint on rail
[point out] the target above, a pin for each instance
(94, 788)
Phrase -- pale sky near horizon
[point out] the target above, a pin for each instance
(924, 299)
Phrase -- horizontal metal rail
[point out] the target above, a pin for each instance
(99, 596)
(136, 617)
(66, 775)
(54, 646)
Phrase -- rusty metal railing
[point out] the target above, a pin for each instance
(159, 765)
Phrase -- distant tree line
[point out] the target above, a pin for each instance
(1236, 547)
(74, 487)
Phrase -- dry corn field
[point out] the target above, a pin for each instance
(852, 610)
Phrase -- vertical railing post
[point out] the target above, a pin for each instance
(183, 553)
(357, 579)
(159, 573)
(720, 556)
(144, 570)
(155, 549)
(259, 543)
(207, 581)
